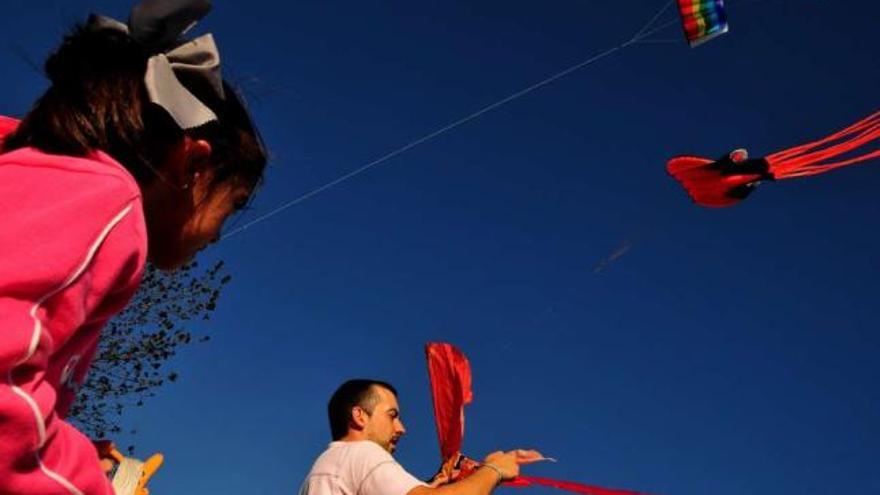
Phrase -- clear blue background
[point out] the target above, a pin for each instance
(725, 352)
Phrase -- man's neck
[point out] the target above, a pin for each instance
(353, 436)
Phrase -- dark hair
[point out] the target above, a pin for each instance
(358, 392)
(97, 100)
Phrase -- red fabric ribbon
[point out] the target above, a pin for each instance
(450, 375)
(569, 486)
(831, 152)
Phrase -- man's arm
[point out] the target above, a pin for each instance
(482, 481)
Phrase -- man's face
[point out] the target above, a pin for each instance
(383, 426)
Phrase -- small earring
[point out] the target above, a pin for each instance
(185, 186)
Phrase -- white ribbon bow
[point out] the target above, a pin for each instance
(160, 23)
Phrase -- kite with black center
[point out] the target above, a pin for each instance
(731, 178)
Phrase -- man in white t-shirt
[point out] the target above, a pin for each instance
(365, 425)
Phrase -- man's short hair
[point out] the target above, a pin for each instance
(359, 392)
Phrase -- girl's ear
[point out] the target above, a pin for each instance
(188, 160)
(198, 155)
(197, 163)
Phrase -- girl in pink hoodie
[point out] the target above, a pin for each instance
(138, 151)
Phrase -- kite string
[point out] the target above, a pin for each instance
(641, 38)
(425, 138)
(641, 34)
(653, 19)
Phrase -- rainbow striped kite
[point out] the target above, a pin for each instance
(702, 20)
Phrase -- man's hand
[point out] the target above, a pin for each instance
(439, 479)
(531, 457)
(507, 463)
(460, 475)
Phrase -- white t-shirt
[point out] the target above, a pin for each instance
(357, 468)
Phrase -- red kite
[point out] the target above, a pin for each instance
(731, 178)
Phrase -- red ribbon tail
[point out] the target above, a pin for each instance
(569, 486)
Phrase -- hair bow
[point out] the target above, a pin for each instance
(158, 25)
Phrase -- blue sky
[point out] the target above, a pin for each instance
(725, 352)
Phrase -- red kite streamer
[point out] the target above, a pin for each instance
(450, 375)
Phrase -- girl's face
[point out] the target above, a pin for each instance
(212, 204)
(183, 217)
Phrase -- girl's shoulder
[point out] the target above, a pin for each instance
(56, 176)
(66, 202)
(61, 215)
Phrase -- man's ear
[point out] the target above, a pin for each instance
(358, 417)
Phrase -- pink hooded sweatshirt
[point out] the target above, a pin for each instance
(73, 246)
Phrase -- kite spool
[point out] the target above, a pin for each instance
(132, 475)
